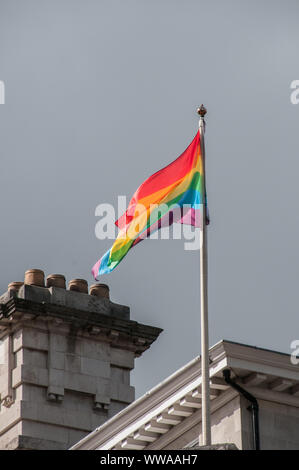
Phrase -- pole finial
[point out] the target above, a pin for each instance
(201, 111)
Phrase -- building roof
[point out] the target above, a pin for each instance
(174, 406)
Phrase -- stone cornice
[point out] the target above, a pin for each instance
(16, 311)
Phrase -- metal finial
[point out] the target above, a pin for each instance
(202, 111)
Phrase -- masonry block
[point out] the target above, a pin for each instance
(57, 295)
(96, 350)
(30, 393)
(31, 375)
(103, 391)
(35, 339)
(34, 293)
(56, 377)
(73, 362)
(59, 342)
(3, 352)
(17, 340)
(123, 393)
(80, 383)
(122, 358)
(57, 360)
(31, 357)
(87, 302)
(120, 375)
(95, 367)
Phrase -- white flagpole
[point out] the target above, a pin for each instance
(205, 373)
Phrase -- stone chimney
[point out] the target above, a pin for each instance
(65, 360)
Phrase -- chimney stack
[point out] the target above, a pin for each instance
(66, 360)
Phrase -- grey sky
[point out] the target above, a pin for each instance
(101, 94)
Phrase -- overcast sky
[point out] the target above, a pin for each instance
(100, 95)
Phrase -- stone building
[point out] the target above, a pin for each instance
(169, 415)
(65, 360)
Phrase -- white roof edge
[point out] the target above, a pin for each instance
(180, 372)
(144, 397)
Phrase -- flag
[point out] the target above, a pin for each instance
(173, 194)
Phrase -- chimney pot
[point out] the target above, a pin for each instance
(100, 290)
(15, 286)
(35, 277)
(56, 280)
(79, 285)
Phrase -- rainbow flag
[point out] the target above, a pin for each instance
(173, 194)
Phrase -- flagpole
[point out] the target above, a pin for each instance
(205, 372)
